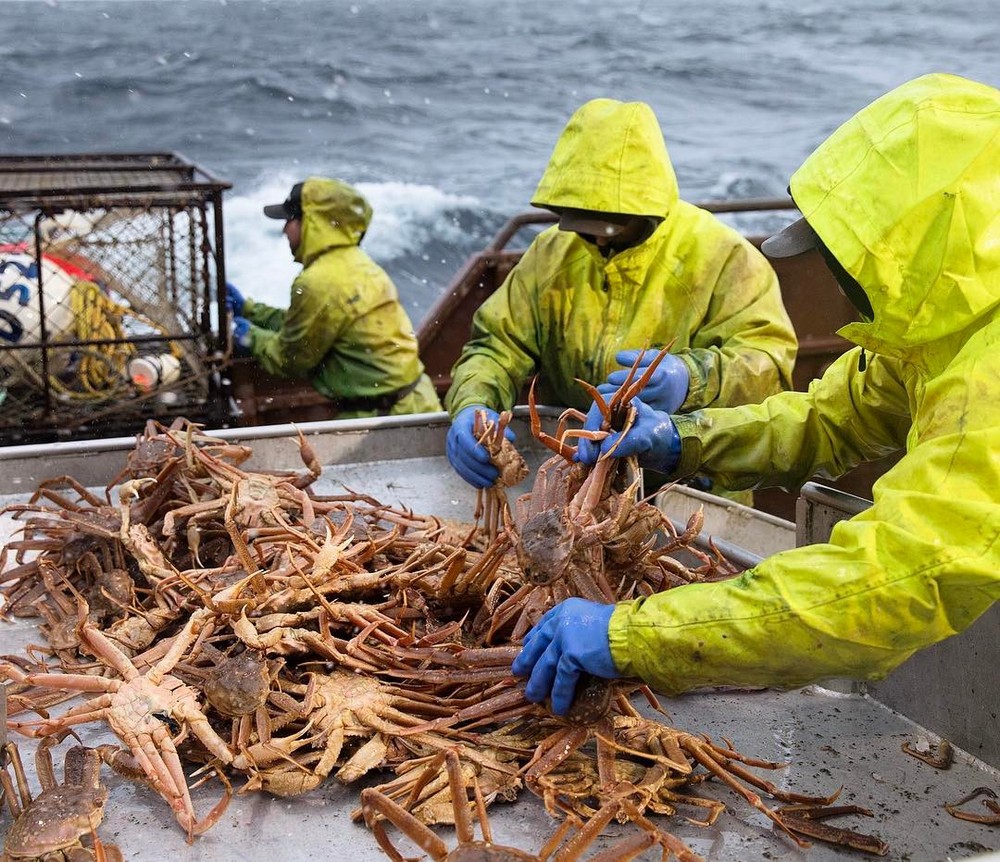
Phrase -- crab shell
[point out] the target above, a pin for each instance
(56, 820)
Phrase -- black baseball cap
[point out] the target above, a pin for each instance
(795, 239)
(799, 238)
(289, 208)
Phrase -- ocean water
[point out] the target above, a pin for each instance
(445, 113)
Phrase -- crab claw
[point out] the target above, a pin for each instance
(132, 489)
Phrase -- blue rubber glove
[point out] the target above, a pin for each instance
(571, 639)
(234, 299)
(471, 460)
(241, 336)
(653, 439)
(667, 388)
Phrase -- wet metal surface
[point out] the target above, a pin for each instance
(828, 739)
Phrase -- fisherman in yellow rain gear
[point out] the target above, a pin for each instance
(345, 330)
(630, 268)
(902, 202)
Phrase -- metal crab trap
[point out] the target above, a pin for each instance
(111, 272)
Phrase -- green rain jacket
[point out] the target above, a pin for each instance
(906, 196)
(345, 330)
(564, 310)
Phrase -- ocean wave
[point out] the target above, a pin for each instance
(408, 215)
(460, 104)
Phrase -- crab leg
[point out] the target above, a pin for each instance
(990, 803)
(553, 443)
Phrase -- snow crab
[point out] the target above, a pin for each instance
(337, 707)
(52, 825)
(144, 710)
(491, 503)
(378, 808)
(573, 515)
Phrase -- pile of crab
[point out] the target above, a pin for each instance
(240, 624)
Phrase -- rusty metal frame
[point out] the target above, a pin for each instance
(48, 184)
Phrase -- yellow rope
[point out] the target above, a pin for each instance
(96, 316)
(101, 368)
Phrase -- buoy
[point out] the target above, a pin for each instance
(153, 370)
(20, 321)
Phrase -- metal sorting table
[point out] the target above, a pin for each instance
(829, 738)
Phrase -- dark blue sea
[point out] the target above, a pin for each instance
(445, 113)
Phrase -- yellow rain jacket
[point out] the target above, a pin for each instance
(565, 310)
(906, 195)
(345, 330)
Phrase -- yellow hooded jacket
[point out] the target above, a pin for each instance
(345, 330)
(906, 195)
(565, 310)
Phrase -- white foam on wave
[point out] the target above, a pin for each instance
(406, 217)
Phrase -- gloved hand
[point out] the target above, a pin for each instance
(471, 460)
(666, 389)
(241, 336)
(569, 640)
(653, 439)
(234, 299)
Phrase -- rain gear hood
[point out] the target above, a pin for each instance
(930, 149)
(333, 214)
(345, 330)
(905, 196)
(610, 158)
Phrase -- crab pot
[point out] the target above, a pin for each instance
(110, 272)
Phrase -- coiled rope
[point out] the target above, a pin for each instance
(99, 371)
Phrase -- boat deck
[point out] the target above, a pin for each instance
(830, 739)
